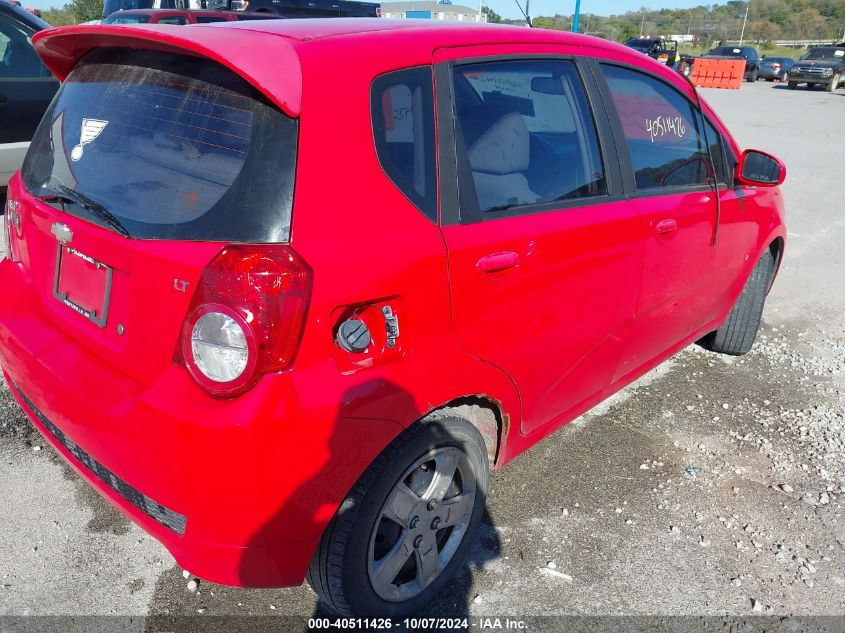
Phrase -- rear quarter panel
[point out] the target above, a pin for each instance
(368, 245)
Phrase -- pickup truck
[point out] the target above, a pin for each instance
(823, 66)
(663, 50)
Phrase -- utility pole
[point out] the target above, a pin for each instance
(642, 25)
(480, 10)
(744, 22)
(577, 16)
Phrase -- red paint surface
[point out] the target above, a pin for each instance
(572, 305)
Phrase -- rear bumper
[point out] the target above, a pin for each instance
(246, 566)
(239, 491)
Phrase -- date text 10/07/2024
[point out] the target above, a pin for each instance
(417, 624)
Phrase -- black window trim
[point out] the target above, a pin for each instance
(447, 148)
(727, 152)
(631, 190)
(431, 141)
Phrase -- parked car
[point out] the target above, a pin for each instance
(303, 8)
(772, 68)
(823, 66)
(181, 16)
(663, 50)
(748, 53)
(285, 314)
(111, 6)
(26, 86)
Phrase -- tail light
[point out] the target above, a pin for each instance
(13, 231)
(246, 317)
(775, 66)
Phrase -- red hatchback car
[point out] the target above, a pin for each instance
(284, 292)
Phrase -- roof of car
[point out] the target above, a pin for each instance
(233, 44)
(439, 31)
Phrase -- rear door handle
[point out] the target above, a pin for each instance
(497, 262)
(667, 226)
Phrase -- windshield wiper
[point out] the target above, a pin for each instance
(65, 195)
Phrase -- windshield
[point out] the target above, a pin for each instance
(173, 147)
(122, 18)
(830, 54)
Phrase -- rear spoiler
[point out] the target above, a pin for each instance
(277, 73)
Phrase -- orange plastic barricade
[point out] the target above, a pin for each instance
(718, 73)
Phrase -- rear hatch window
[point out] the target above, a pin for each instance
(171, 147)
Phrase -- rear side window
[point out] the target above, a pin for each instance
(662, 130)
(403, 126)
(174, 147)
(173, 19)
(525, 136)
(18, 59)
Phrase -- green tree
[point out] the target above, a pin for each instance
(492, 16)
(762, 31)
(59, 17)
(85, 10)
(808, 24)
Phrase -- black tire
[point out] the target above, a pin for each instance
(339, 570)
(752, 76)
(792, 85)
(737, 334)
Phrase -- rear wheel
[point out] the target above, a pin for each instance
(407, 524)
(737, 334)
(792, 85)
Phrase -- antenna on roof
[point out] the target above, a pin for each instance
(525, 11)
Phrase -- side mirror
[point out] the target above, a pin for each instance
(760, 169)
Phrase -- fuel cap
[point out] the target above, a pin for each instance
(353, 336)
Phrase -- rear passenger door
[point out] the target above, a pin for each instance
(671, 186)
(544, 253)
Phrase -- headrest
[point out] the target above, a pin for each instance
(504, 148)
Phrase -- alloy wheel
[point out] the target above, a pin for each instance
(421, 524)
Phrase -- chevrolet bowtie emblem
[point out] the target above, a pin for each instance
(91, 129)
(62, 232)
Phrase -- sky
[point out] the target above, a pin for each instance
(508, 8)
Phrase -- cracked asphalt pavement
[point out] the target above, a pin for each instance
(713, 485)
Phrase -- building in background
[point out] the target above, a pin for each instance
(431, 10)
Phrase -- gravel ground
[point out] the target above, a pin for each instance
(714, 485)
